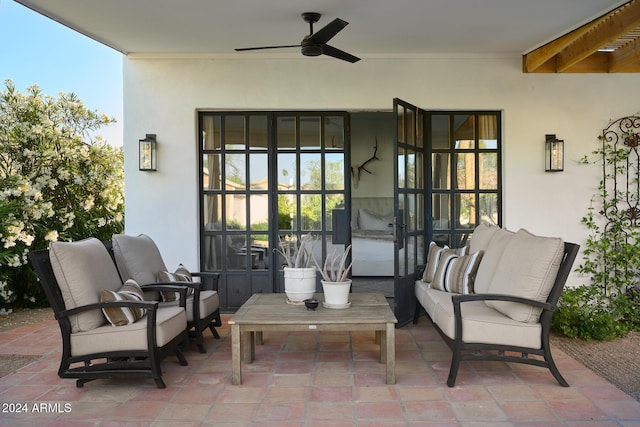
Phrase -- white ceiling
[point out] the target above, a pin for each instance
(376, 27)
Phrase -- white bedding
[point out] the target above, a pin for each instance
(372, 253)
(371, 236)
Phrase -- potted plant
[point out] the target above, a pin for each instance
(299, 274)
(336, 283)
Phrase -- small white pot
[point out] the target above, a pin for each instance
(299, 283)
(336, 294)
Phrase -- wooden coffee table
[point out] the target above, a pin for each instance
(271, 312)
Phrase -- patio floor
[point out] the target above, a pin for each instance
(311, 379)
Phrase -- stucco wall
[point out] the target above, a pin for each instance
(162, 96)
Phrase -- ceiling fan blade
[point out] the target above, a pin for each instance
(327, 32)
(340, 54)
(266, 47)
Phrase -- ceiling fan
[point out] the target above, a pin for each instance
(315, 44)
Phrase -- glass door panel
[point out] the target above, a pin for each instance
(310, 171)
(258, 132)
(334, 168)
(334, 133)
(287, 172)
(286, 132)
(465, 171)
(469, 188)
(409, 187)
(489, 210)
(310, 133)
(211, 133)
(212, 172)
(235, 172)
(234, 132)
(488, 171)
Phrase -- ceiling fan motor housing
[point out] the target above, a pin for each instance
(311, 48)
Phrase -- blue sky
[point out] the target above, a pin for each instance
(37, 50)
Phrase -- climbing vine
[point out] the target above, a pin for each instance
(610, 305)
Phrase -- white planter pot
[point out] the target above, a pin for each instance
(299, 283)
(336, 294)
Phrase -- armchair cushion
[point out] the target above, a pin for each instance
(137, 258)
(120, 316)
(209, 302)
(82, 269)
(170, 322)
(528, 269)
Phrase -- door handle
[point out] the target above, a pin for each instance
(396, 228)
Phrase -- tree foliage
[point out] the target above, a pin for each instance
(58, 181)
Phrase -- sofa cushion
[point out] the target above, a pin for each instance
(456, 273)
(421, 290)
(481, 236)
(490, 259)
(433, 258)
(170, 321)
(82, 269)
(120, 316)
(483, 324)
(480, 323)
(528, 269)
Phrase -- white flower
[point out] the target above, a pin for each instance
(51, 236)
(88, 204)
(27, 238)
(63, 173)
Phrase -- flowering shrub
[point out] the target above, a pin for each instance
(57, 182)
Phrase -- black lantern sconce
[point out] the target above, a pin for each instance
(148, 156)
(553, 154)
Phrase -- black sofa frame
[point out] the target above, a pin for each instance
(479, 351)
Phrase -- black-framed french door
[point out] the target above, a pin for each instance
(265, 175)
(409, 205)
(461, 152)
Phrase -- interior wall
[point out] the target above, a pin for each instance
(162, 96)
(369, 129)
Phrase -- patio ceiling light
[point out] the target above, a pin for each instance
(148, 148)
(553, 154)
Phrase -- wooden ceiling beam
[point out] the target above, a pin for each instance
(596, 63)
(625, 58)
(536, 58)
(617, 24)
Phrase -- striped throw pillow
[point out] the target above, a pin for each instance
(120, 316)
(433, 259)
(456, 273)
(180, 275)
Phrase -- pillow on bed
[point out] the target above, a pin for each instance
(370, 221)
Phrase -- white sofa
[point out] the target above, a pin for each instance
(496, 295)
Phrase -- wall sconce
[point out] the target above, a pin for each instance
(553, 154)
(148, 148)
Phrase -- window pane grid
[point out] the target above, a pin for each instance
(465, 171)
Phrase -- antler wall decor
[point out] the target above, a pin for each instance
(356, 171)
